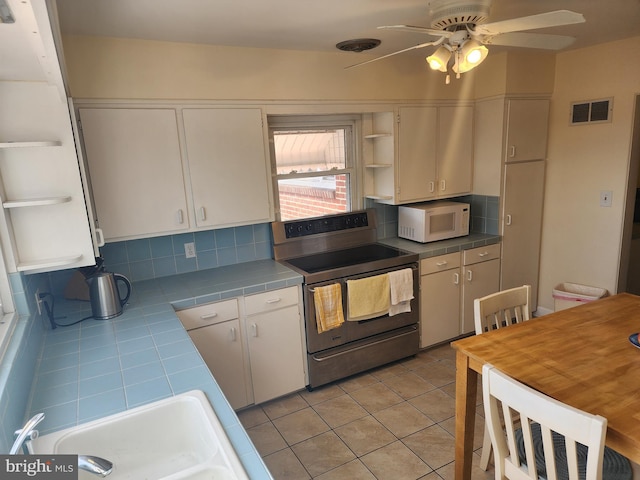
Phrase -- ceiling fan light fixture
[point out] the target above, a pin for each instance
(439, 59)
(474, 52)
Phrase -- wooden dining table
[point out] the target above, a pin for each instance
(581, 356)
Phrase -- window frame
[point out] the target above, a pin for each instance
(352, 125)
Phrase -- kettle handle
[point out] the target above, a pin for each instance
(127, 283)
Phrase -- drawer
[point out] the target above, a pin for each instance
(481, 254)
(208, 314)
(439, 263)
(272, 300)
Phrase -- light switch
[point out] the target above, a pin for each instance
(605, 198)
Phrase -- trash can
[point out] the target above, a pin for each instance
(567, 295)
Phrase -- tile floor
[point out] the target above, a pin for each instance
(395, 422)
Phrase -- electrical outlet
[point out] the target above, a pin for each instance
(38, 302)
(190, 250)
(606, 198)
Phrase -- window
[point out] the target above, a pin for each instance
(313, 165)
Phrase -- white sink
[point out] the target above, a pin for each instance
(175, 438)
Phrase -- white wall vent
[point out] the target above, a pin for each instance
(593, 111)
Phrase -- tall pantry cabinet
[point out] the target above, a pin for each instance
(515, 154)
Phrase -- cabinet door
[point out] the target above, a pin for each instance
(522, 225)
(135, 170)
(416, 154)
(275, 352)
(228, 167)
(479, 279)
(220, 346)
(527, 125)
(440, 307)
(455, 150)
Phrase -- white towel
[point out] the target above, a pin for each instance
(401, 286)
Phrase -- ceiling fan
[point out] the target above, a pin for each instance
(462, 33)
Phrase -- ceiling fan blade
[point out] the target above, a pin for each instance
(412, 28)
(415, 47)
(542, 20)
(530, 40)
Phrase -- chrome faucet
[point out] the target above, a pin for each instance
(28, 432)
(95, 465)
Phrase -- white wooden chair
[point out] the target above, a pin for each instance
(502, 309)
(503, 393)
(494, 311)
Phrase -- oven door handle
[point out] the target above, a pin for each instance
(328, 357)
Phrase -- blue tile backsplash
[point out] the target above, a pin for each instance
(149, 258)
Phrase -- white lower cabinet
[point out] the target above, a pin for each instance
(481, 276)
(448, 286)
(255, 352)
(439, 299)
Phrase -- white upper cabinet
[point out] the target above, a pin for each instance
(45, 223)
(455, 150)
(527, 126)
(136, 171)
(416, 169)
(228, 166)
(433, 157)
(166, 170)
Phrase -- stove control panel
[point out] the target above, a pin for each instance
(313, 226)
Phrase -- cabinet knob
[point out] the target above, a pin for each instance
(203, 214)
(456, 279)
(508, 220)
(443, 185)
(512, 151)
(432, 187)
(179, 217)
(254, 330)
(232, 334)
(469, 275)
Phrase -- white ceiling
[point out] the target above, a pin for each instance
(315, 25)
(318, 24)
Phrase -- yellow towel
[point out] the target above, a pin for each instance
(367, 297)
(401, 285)
(328, 303)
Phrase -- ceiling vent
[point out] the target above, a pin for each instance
(595, 111)
(358, 44)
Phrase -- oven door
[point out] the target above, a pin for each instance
(351, 331)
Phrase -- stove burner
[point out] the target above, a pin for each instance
(345, 258)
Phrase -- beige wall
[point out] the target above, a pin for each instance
(100, 67)
(581, 241)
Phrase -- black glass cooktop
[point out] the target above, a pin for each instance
(345, 258)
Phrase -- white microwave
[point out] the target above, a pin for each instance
(432, 221)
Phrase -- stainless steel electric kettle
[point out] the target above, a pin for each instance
(104, 294)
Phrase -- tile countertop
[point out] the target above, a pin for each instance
(426, 250)
(100, 367)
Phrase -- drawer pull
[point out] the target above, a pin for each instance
(207, 316)
(456, 279)
(442, 263)
(233, 334)
(484, 254)
(470, 275)
(273, 300)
